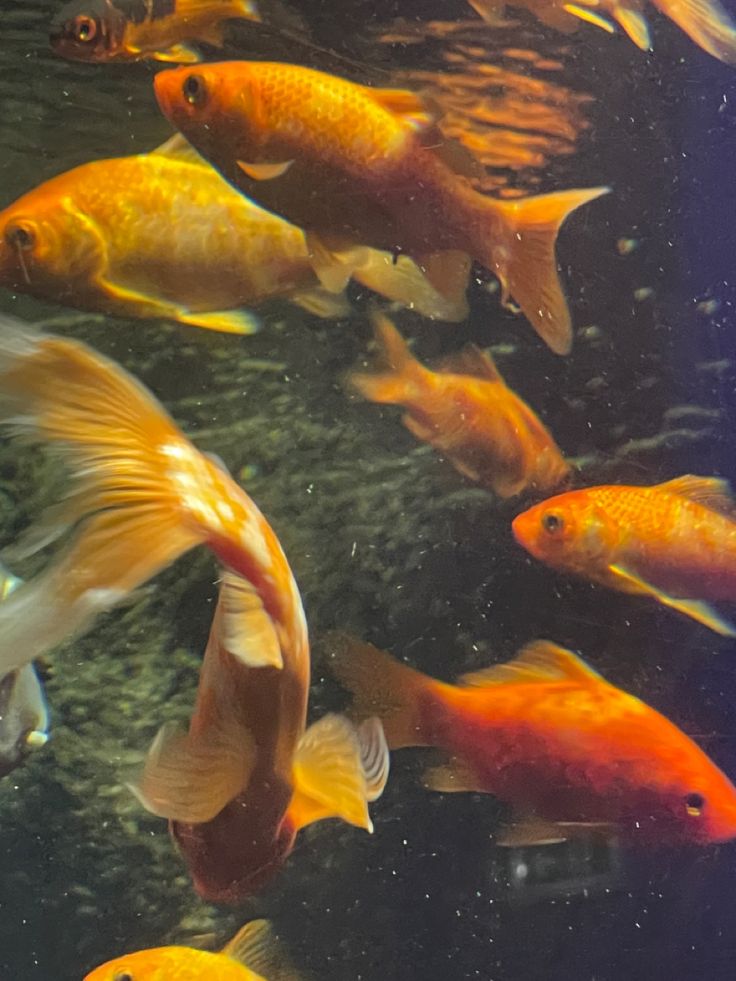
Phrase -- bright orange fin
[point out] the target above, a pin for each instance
(713, 493)
(525, 260)
(707, 22)
(539, 662)
(404, 376)
(635, 24)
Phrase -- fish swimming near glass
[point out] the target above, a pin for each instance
(131, 30)
(252, 955)
(550, 737)
(248, 775)
(162, 235)
(353, 165)
(466, 412)
(674, 542)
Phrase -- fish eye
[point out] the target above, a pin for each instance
(694, 804)
(194, 90)
(84, 28)
(553, 523)
(20, 237)
(123, 976)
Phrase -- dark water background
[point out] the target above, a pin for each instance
(386, 540)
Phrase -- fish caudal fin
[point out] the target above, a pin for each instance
(191, 779)
(338, 770)
(525, 262)
(382, 687)
(708, 24)
(404, 375)
(257, 947)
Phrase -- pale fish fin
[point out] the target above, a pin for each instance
(400, 382)
(474, 362)
(491, 11)
(410, 106)
(264, 171)
(247, 631)
(525, 262)
(539, 662)
(177, 148)
(589, 16)
(334, 268)
(181, 54)
(697, 610)
(191, 780)
(257, 947)
(713, 493)
(322, 303)
(329, 776)
(453, 777)
(635, 24)
(707, 22)
(246, 9)
(226, 321)
(402, 281)
(375, 759)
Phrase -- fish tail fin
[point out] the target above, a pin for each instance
(403, 281)
(338, 770)
(525, 262)
(382, 687)
(404, 374)
(707, 22)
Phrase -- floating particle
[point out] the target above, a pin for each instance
(625, 246)
(708, 307)
(643, 293)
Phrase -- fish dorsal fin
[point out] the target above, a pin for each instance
(710, 492)
(246, 629)
(410, 106)
(474, 362)
(177, 148)
(538, 663)
(257, 947)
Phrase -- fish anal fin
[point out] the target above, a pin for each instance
(181, 54)
(629, 582)
(711, 492)
(452, 777)
(264, 171)
(257, 947)
(540, 662)
(245, 628)
(448, 272)
(633, 21)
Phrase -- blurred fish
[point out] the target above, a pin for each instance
(161, 234)
(707, 22)
(357, 165)
(24, 716)
(468, 413)
(252, 955)
(549, 736)
(674, 542)
(130, 30)
(247, 777)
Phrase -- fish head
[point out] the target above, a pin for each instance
(158, 964)
(87, 30)
(569, 531)
(213, 106)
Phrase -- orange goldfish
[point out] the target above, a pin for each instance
(161, 234)
(250, 956)
(130, 30)
(357, 165)
(469, 414)
(247, 777)
(675, 542)
(549, 736)
(707, 22)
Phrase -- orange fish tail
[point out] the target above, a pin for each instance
(525, 262)
(403, 379)
(707, 22)
(382, 687)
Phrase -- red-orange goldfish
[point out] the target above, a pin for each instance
(161, 234)
(467, 413)
(707, 22)
(247, 776)
(130, 30)
(252, 955)
(675, 542)
(549, 736)
(358, 165)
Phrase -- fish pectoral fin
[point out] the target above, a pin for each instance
(181, 54)
(452, 777)
(635, 24)
(589, 16)
(192, 780)
(531, 831)
(264, 171)
(225, 321)
(338, 769)
(257, 947)
(322, 303)
(697, 610)
(247, 631)
(539, 662)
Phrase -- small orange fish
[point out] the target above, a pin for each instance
(467, 413)
(675, 542)
(549, 736)
(357, 165)
(252, 955)
(131, 30)
(707, 22)
(161, 234)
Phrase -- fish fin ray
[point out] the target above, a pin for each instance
(247, 631)
(711, 492)
(707, 23)
(257, 947)
(539, 662)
